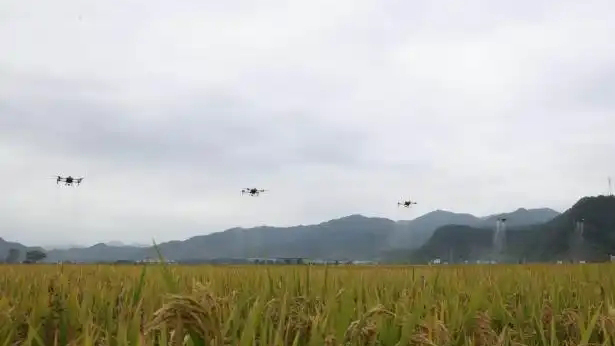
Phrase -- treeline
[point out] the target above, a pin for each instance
(32, 256)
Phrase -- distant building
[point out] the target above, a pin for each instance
(154, 260)
(300, 260)
(278, 260)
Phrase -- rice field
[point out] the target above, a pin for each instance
(307, 305)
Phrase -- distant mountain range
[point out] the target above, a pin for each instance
(353, 237)
(74, 246)
(413, 234)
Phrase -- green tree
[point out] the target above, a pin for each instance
(34, 256)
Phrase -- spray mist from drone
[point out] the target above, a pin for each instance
(499, 237)
(577, 240)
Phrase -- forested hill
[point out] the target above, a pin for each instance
(6, 246)
(549, 241)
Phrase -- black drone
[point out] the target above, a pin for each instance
(68, 181)
(405, 204)
(252, 191)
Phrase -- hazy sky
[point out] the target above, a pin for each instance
(169, 108)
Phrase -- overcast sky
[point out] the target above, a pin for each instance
(170, 108)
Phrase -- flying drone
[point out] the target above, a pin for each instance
(405, 204)
(252, 191)
(68, 180)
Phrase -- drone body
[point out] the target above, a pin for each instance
(68, 181)
(252, 191)
(405, 204)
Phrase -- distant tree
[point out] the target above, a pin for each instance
(34, 256)
(13, 256)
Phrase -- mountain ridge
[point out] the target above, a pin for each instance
(354, 236)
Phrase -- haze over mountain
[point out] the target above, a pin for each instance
(413, 234)
(532, 234)
(523, 217)
(552, 240)
(354, 237)
(75, 246)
